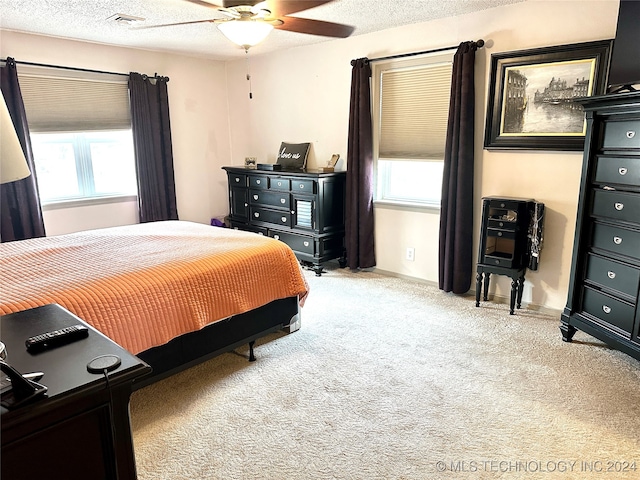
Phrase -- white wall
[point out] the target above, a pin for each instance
(59, 221)
(302, 95)
(199, 123)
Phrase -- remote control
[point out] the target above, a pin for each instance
(56, 338)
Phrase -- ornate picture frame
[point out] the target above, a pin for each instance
(531, 92)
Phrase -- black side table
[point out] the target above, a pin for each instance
(81, 428)
(504, 244)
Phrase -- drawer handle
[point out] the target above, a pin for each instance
(501, 224)
(618, 206)
(306, 244)
(617, 240)
(631, 134)
(606, 309)
(255, 197)
(258, 182)
(277, 237)
(256, 214)
(246, 204)
(499, 234)
(279, 184)
(622, 170)
(284, 219)
(301, 186)
(611, 274)
(283, 200)
(237, 180)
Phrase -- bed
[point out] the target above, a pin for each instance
(174, 293)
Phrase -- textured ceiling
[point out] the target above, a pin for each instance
(88, 20)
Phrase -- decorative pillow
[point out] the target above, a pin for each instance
(293, 156)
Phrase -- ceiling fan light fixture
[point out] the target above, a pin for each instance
(245, 33)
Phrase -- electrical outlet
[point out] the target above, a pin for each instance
(410, 254)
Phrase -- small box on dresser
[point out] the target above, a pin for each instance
(605, 272)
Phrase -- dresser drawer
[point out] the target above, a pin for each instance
(613, 275)
(237, 180)
(505, 204)
(258, 182)
(621, 134)
(499, 259)
(618, 170)
(617, 240)
(298, 243)
(280, 184)
(248, 228)
(501, 233)
(303, 186)
(617, 205)
(277, 199)
(271, 216)
(608, 309)
(502, 224)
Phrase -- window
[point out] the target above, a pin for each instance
(81, 165)
(410, 117)
(81, 134)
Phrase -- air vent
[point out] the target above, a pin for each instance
(124, 18)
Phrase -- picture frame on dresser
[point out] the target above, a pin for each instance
(531, 95)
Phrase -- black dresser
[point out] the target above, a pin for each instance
(303, 209)
(605, 271)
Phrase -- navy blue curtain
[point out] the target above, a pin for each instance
(152, 144)
(456, 213)
(359, 227)
(20, 210)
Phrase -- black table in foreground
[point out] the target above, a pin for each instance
(80, 429)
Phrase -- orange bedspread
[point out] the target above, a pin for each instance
(142, 285)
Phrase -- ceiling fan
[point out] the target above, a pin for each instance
(247, 22)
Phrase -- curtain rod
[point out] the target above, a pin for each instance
(66, 68)
(88, 70)
(479, 44)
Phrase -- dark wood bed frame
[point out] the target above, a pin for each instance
(222, 336)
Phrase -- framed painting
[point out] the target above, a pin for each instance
(532, 94)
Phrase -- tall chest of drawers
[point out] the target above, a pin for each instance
(303, 209)
(605, 272)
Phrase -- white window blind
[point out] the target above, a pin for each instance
(61, 104)
(414, 108)
(80, 126)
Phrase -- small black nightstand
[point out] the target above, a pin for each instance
(81, 429)
(504, 244)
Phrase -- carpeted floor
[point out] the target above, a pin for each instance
(393, 379)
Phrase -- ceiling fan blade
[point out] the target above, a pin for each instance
(315, 27)
(212, 20)
(280, 8)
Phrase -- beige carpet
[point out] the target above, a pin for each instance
(394, 379)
